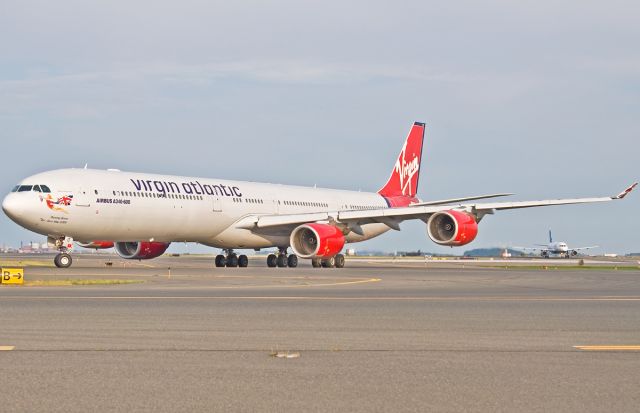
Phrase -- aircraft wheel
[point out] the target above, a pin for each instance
(329, 262)
(63, 260)
(316, 263)
(232, 260)
(292, 261)
(243, 261)
(282, 260)
(339, 259)
(221, 261)
(272, 260)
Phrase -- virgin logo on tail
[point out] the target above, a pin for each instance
(403, 181)
(406, 170)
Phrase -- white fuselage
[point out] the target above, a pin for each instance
(93, 205)
(558, 248)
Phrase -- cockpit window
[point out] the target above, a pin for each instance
(15, 188)
(36, 188)
(45, 189)
(25, 188)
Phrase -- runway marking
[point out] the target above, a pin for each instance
(609, 348)
(319, 298)
(7, 348)
(238, 287)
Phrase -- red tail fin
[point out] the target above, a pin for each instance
(404, 177)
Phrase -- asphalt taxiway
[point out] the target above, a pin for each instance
(375, 336)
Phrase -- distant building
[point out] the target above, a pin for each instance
(33, 248)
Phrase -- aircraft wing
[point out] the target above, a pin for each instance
(530, 249)
(583, 248)
(393, 216)
(452, 200)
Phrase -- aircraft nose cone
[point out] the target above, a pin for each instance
(11, 206)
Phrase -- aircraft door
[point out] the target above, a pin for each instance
(275, 204)
(217, 204)
(81, 198)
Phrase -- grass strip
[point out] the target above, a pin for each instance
(70, 282)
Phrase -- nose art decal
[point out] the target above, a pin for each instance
(58, 204)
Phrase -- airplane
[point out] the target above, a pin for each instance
(141, 214)
(556, 249)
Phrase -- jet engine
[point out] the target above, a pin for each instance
(96, 245)
(452, 228)
(316, 241)
(141, 250)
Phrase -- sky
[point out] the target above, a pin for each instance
(537, 98)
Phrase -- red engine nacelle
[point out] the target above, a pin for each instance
(96, 245)
(141, 250)
(316, 241)
(452, 228)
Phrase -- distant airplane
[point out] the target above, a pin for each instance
(140, 214)
(558, 249)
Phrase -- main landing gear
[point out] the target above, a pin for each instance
(336, 261)
(282, 260)
(63, 259)
(231, 259)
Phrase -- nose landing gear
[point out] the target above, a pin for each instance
(64, 245)
(63, 260)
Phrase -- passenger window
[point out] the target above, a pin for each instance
(25, 188)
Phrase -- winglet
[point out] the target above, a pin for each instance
(625, 192)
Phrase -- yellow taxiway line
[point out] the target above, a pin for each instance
(296, 297)
(7, 348)
(321, 282)
(608, 348)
